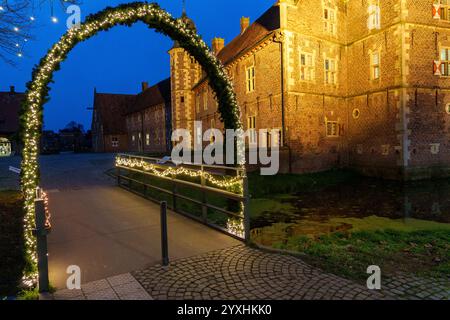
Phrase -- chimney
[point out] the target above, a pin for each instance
(218, 44)
(12, 89)
(245, 23)
(144, 86)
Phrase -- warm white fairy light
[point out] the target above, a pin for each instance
(150, 14)
(225, 183)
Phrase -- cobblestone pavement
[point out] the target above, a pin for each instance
(122, 287)
(243, 273)
(409, 287)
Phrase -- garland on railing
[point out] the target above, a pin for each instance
(225, 183)
(127, 14)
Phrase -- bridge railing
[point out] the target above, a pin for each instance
(214, 195)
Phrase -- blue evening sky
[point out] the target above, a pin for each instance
(119, 60)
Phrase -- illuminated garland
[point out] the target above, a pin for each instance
(127, 14)
(173, 172)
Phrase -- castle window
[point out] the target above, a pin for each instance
(444, 9)
(330, 71)
(306, 67)
(197, 103)
(212, 125)
(251, 126)
(332, 129)
(447, 108)
(133, 138)
(205, 100)
(445, 61)
(147, 139)
(329, 17)
(182, 99)
(115, 142)
(374, 21)
(279, 138)
(375, 65)
(250, 79)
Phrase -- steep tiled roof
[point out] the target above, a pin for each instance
(266, 24)
(10, 104)
(111, 110)
(158, 94)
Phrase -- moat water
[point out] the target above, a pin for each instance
(363, 204)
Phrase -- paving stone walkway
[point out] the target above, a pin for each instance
(410, 287)
(243, 273)
(122, 287)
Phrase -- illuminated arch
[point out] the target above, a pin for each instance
(128, 14)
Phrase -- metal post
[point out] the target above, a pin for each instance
(246, 203)
(41, 235)
(204, 207)
(174, 194)
(164, 237)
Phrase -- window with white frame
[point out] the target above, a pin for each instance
(444, 9)
(205, 100)
(279, 138)
(445, 62)
(332, 128)
(330, 71)
(329, 17)
(251, 127)
(212, 125)
(115, 142)
(306, 67)
(374, 20)
(147, 139)
(250, 78)
(375, 65)
(197, 103)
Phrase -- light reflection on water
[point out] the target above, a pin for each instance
(338, 208)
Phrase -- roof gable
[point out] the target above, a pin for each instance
(111, 109)
(263, 26)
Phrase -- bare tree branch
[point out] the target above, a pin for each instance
(16, 24)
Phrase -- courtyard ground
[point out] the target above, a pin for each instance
(108, 232)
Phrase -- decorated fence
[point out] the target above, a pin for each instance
(214, 195)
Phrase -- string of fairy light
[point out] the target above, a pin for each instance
(224, 183)
(30, 17)
(234, 226)
(38, 89)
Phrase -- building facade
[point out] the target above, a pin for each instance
(148, 120)
(360, 84)
(109, 131)
(10, 105)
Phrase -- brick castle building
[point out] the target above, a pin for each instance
(359, 84)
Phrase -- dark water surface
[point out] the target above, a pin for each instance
(311, 212)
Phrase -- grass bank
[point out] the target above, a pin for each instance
(12, 253)
(425, 252)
